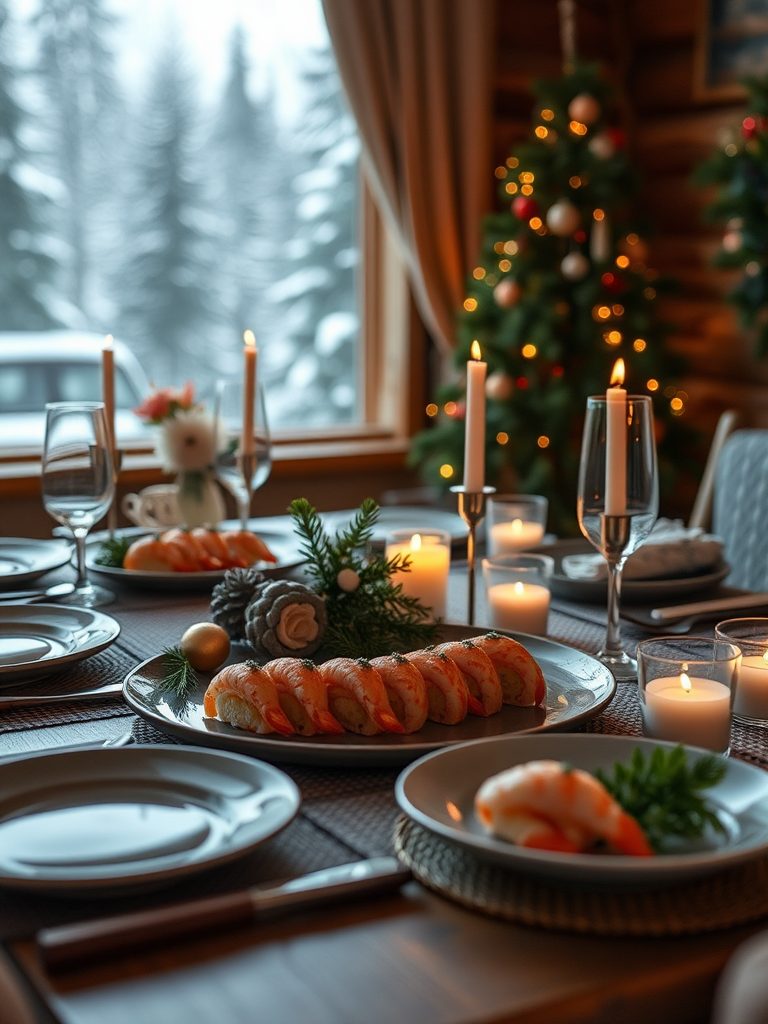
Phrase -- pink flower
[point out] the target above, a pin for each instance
(166, 402)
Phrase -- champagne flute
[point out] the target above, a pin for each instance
(77, 481)
(240, 470)
(617, 536)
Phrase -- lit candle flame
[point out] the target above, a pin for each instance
(517, 526)
(617, 374)
(416, 542)
(519, 588)
(108, 341)
(685, 682)
(475, 351)
(249, 338)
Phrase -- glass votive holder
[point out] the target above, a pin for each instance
(429, 553)
(517, 590)
(750, 635)
(516, 522)
(687, 686)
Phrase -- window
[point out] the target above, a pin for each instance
(177, 172)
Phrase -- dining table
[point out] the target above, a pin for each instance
(408, 957)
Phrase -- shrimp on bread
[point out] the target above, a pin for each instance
(357, 697)
(522, 681)
(447, 693)
(406, 690)
(303, 696)
(244, 695)
(478, 671)
(546, 805)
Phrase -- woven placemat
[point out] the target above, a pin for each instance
(709, 904)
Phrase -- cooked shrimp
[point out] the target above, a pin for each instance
(546, 805)
(245, 695)
(150, 555)
(447, 692)
(303, 696)
(245, 548)
(195, 553)
(357, 697)
(214, 547)
(479, 673)
(522, 681)
(406, 690)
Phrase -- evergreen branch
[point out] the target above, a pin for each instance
(113, 551)
(178, 675)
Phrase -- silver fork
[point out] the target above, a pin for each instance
(23, 699)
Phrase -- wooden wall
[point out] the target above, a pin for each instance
(647, 47)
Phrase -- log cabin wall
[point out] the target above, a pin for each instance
(648, 49)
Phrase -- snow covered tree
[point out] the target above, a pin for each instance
(26, 267)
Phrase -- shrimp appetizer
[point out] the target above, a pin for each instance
(303, 696)
(245, 695)
(406, 690)
(358, 698)
(522, 681)
(479, 673)
(197, 550)
(545, 805)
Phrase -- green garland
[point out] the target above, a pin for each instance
(376, 617)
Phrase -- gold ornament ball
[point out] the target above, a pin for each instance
(584, 108)
(602, 146)
(499, 386)
(205, 646)
(563, 218)
(507, 293)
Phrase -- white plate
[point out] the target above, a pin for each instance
(38, 639)
(438, 792)
(284, 546)
(22, 560)
(578, 688)
(403, 517)
(136, 816)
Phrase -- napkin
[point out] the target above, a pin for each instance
(671, 549)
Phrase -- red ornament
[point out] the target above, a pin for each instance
(617, 137)
(507, 292)
(524, 207)
(522, 383)
(580, 236)
(750, 127)
(558, 371)
(613, 283)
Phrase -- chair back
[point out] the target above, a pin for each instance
(740, 514)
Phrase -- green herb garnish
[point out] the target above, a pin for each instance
(112, 552)
(178, 675)
(663, 793)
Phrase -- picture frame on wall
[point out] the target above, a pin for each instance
(731, 44)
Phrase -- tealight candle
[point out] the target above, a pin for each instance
(504, 538)
(688, 709)
(430, 560)
(752, 687)
(523, 607)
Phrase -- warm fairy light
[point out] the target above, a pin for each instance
(504, 266)
(519, 588)
(502, 437)
(526, 189)
(639, 345)
(622, 261)
(685, 682)
(450, 408)
(618, 309)
(541, 132)
(446, 471)
(653, 384)
(676, 404)
(574, 181)
(534, 223)
(649, 293)
(499, 247)
(416, 542)
(613, 337)
(578, 128)
(598, 214)
(604, 312)
(526, 177)
(731, 150)
(617, 373)
(249, 338)
(475, 351)
(432, 409)
(470, 305)
(632, 238)
(752, 268)
(510, 248)
(529, 351)
(547, 114)
(543, 441)
(478, 273)
(501, 172)
(511, 187)
(512, 161)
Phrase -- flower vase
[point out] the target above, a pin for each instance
(200, 500)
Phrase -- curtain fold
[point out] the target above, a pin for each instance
(418, 76)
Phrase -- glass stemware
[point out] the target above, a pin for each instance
(241, 471)
(77, 481)
(617, 536)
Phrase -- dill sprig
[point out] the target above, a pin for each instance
(377, 616)
(112, 552)
(178, 675)
(663, 793)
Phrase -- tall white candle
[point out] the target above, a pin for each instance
(600, 239)
(427, 579)
(108, 387)
(752, 687)
(506, 538)
(250, 355)
(474, 437)
(688, 710)
(616, 444)
(519, 606)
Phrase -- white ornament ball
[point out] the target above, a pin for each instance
(348, 580)
(575, 266)
(602, 146)
(732, 241)
(499, 386)
(562, 218)
(584, 108)
(507, 293)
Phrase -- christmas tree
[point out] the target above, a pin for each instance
(740, 168)
(562, 289)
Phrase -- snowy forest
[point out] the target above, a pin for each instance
(175, 218)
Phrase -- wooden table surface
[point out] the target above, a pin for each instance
(414, 958)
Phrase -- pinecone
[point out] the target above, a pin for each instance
(230, 598)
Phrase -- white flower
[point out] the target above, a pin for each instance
(187, 441)
(297, 626)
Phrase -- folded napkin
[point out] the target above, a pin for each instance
(669, 550)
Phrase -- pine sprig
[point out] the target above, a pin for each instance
(663, 793)
(178, 675)
(376, 617)
(113, 551)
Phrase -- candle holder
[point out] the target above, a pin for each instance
(750, 635)
(516, 522)
(472, 511)
(117, 464)
(687, 685)
(517, 591)
(241, 472)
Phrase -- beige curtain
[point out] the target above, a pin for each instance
(418, 75)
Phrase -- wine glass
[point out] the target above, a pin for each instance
(240, 470)
(634, 504)
(77, 481)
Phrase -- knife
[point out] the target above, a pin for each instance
(723, 604)
(66, 944)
